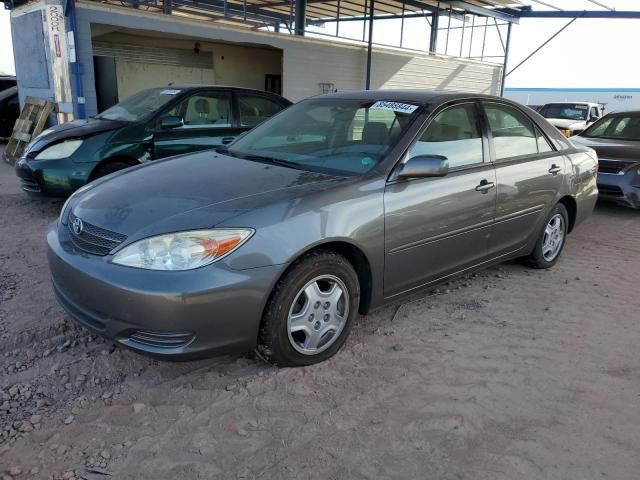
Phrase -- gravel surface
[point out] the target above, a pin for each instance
(508, 374)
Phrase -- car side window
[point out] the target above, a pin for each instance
(594, 112)
(543, 144)
(455, 134)
(204, 110)
(255, 109)
(513, 133)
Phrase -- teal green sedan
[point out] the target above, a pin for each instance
(154, 123)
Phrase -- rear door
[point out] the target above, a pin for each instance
(438, 226)
(529, 172)
(208, 122)
(254, 108)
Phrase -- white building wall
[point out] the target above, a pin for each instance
(615, 100)
(399, 69)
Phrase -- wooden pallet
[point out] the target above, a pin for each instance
(31, 122)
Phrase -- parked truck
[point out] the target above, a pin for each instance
(572, 118)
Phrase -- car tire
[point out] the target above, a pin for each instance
(307, 318)
(551, 239)
(110, 167)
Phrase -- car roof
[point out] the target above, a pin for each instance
(624, 112)
(419, 97)
(198, 86)
(573, 103)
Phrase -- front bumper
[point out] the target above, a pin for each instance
(177, 315)
(623, 189)
(58, 178)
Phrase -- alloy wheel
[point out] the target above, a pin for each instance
(554, 234)
(318, 314)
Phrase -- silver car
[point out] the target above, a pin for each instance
(616, 139)
(333, 207)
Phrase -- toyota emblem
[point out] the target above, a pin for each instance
(77, 226)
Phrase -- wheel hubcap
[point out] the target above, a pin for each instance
(318, 314)
(553, 238)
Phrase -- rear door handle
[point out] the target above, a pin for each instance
(227, 140)
(485, 186)
(555, 169)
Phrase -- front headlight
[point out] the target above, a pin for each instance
(182, 250)
(59, 150)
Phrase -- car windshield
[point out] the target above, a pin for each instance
(138, 106)
(621, 126)
(345, 137)
(565, 111)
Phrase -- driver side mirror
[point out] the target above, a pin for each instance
(424, 166)
(171, 122)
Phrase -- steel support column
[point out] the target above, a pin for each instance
(435, 23)
(370, 43)
(506, 59)
(301, 17)
(75, 68)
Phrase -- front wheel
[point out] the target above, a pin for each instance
(310, 311)
(551, 240)
(109, 168)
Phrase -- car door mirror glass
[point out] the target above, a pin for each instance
(170, 122)
(424, 166)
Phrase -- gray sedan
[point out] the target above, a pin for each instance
(333, 207)
(616, 139)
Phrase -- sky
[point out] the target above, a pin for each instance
(588, 54)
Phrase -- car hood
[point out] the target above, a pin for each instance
(75, 129)
(568, 124)
(193, 191)
(612, 149)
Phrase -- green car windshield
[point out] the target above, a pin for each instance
(344, 137)
(138, 106)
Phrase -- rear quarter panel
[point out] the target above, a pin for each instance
(583, 187)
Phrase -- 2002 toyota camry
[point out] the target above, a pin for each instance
(333, 207)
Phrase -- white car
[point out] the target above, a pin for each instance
(572, 118)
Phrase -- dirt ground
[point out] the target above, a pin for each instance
(507, 374)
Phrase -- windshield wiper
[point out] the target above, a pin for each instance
(263, 159)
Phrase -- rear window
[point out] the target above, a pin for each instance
(621, 127)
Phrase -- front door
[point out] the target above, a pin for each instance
(207, 122)
(438, 226)
(529, 173)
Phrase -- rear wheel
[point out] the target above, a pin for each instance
(551, 240)
(311, 310)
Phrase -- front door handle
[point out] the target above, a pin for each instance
(485, 186)
(227, 140)
(555, 169)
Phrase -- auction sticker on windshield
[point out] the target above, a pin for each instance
(169, 92)
(394, 106)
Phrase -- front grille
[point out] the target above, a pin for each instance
(162, 340)
(29, 185)
(610, 190)
(612, 167)
(92, 239)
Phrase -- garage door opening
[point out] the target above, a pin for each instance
(126, 62)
